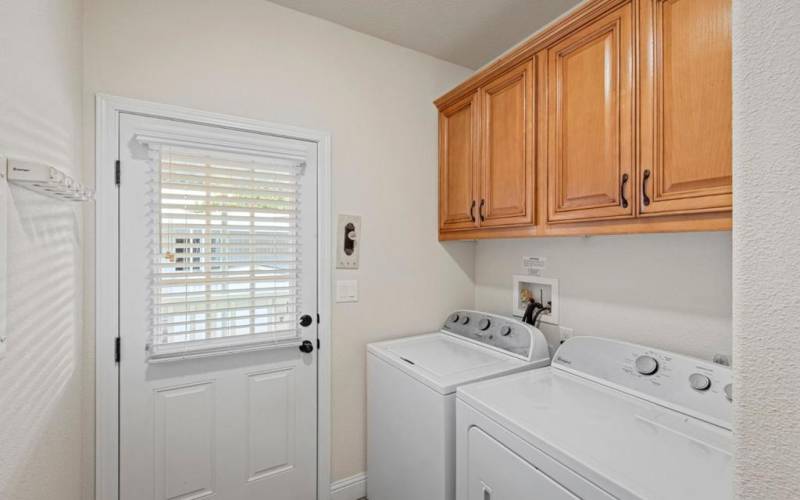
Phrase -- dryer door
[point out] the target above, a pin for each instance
(497, 473)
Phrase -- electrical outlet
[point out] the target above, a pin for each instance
(565, 333)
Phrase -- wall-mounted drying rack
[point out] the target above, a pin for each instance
(46, 180)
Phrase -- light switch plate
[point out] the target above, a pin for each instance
(348, 241)
(346, 291)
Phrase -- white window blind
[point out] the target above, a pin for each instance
(227, 256)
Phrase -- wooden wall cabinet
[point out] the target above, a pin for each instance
(614, 119)
(486, 152)
(590, 121)
(686, 101)
(506, 167)
(458, 141)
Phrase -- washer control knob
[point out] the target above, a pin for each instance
(484, 324)
(505, 331)
(464, 319)
(646, 365)
(728, 390)
(699, 382)
(454, 318)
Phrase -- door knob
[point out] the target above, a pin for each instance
(306, 346)
(306, 320)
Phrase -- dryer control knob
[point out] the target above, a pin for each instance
(454, 318)
(484, 324)
(728, 390)
(699, 382)
(646, 365)
(464, 319)
(505, 331)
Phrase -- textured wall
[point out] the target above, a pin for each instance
(40, 377)
(671, 291)
(766, 247)
(255, 59)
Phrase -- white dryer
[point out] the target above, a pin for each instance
(606, 420)
(411, 385)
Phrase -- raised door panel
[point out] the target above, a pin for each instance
(458, 127)
(686, 106)
(591, 121)
(507, 173)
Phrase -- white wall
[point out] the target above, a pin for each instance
(40, 377)
(671, 291)
(766, 247)
(255, 59)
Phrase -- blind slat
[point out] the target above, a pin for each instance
(257, 327)
(175, 179)
(214, 211)
(228, 319)
(290, 191)
(244, 303)
(177, 314)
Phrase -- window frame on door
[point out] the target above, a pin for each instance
(106, 313)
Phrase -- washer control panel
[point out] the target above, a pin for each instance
(699, 388)
(499, 332)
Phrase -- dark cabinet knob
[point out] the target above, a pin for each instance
(307, 346)
(306, 320)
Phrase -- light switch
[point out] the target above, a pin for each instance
(346, 291)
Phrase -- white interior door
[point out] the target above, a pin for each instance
(218, 264)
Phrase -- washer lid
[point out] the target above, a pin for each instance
(443, 361)
(628, 446)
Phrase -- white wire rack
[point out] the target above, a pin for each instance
(46, 180)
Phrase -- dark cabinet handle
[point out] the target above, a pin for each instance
(645, 198)
(480, 211)
(622, 191)
(306, 346)
(472, 211)
(306, 320)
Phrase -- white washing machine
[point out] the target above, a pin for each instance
(606, 420)
(411, 385)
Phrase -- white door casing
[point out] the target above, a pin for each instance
(235, 425)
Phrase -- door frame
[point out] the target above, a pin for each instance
(106, 314)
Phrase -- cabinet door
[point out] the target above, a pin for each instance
(590, 121)
(458, 130)
(506, 168)
(686, 106)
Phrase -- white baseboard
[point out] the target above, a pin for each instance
(350, 488)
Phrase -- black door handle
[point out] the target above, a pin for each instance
(306, 346)
(645, 198)
(472, 211)
(622, 191)
(306, 320)
(480, 210)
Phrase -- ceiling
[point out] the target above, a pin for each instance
(466, 32)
